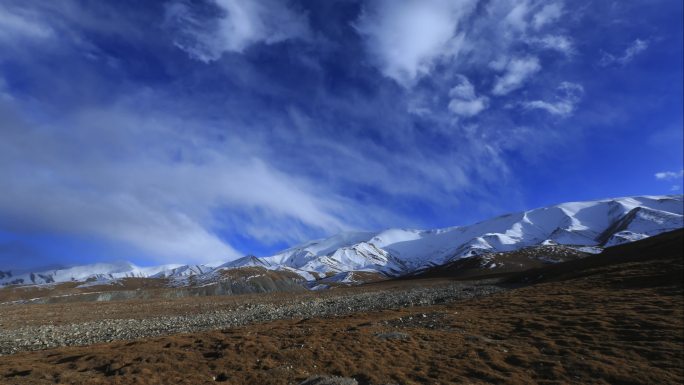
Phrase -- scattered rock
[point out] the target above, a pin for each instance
(50, 336)
(393, 336)
(329, 380)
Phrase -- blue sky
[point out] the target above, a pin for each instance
(199, 131)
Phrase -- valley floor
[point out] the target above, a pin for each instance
(621, 323)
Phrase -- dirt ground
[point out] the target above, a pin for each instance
(617, 324)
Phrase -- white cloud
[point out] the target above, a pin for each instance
(21, 23)
(669, 175)
(548, 14)
(524, 13)
(517, 71)
(405, 39)
(153, 183)
(638, 46)
(413, 41)
(464, 101)
(560, 43)
(242, 24)
(558, 108)
(517, 16)
(468, 108)
(463, 89)
(568, 95)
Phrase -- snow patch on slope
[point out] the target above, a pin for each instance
(588, 225)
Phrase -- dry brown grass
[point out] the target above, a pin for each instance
(620, 323)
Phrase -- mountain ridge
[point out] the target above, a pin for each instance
(394, 252)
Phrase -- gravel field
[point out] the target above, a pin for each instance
(40, 337)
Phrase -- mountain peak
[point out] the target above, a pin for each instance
(594, 224)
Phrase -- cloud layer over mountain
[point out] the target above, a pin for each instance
(198, 130)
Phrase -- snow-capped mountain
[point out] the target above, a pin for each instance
(600, 223)
(594, 224)
(180, 271)
(99, 272)
(343, 252)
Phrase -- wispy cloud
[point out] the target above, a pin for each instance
(676, 177)
(313, 117)
(548, 14)
(175, 173)
(406, 41)
(162, 196)
(18, 23)
(637, 47)
(464, 101)
(206, 31)
(516, 72)
(669, 175)
(559, 43)
(568, 95)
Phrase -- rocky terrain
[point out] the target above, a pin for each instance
(34, 337)
(615, 318)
